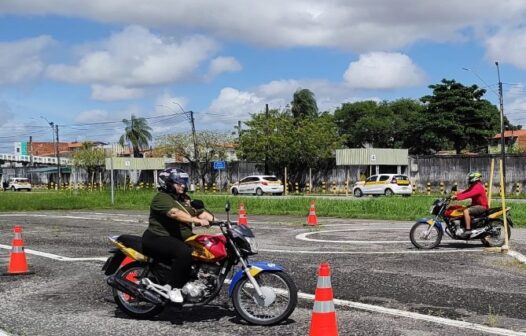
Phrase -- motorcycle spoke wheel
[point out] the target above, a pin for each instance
(424, 236)
(129, 304)
(280, 301)
(495, 237)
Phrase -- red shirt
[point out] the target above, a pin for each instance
(477, 194)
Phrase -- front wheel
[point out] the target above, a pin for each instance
(357, 192)
(129, 304)
(280, 298)
(388, 192)
(234, 191)
(425, 236)
(259, 192)
(495, 237)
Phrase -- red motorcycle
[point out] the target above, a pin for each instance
(427, 233)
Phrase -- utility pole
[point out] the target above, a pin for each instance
(502, 142)
(266, 139)
(58, 157)
(196, 154)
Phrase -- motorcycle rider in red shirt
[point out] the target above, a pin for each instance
(479, 200)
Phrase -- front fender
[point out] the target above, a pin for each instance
(255, 268)
(431, 221)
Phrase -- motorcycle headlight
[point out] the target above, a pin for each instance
(253, 244)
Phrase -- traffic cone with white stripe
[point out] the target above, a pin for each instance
(242, 220)
(17, 259)
(323, 322)
(312, 219)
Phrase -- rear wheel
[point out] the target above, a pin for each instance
(388, 192)
(425, 236)
(281, 297)
(358, 192)
(129, 304)
(495, 237)
(259, 192)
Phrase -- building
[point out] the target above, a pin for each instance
(514, 142)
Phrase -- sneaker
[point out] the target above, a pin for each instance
(465, 234)
(175, 295)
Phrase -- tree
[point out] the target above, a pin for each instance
(90, 158)
(457, 116)
(304, 104)
(137, 134)
(211, 147)
(298, 144)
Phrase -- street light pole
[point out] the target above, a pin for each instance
(54, 128)
(502, 142)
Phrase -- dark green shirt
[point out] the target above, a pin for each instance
(162, 225)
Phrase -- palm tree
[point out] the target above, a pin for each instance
(304, 104)
(137, 134)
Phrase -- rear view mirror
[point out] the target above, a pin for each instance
(227, 206)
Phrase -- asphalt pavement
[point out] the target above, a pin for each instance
(382, 285)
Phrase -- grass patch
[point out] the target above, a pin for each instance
(388, 208)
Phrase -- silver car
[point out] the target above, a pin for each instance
(258, 185)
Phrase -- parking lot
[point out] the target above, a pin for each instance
(382, 285)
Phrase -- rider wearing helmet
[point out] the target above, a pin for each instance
(479, 200)
(170, 224)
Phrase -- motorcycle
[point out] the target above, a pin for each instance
(261, 292)
(427, 233)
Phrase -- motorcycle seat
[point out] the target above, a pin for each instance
(135, 242)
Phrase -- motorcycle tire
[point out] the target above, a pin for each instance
(128, 304)
(490, 240)
(276, 283)
(419, 241)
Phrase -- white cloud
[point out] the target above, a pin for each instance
(220, 65)
(92, 116)
(233, 104)
(114, 92)
(356, 24)
(21, 60)
(136, 57)
(508, 46)
(380, 70)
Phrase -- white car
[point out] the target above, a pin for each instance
(19, 183)
(384, 184)
(258, 184)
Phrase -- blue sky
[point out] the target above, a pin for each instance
(77, 63)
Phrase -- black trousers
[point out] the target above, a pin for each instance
(170, 248)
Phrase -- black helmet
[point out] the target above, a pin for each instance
(170, 176)
(474, 177)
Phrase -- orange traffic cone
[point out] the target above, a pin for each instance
(17, 259)
(242, 215)
(312, 219)
(323, 321)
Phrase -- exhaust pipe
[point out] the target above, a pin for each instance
(132, 289)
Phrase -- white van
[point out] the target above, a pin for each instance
(19, 183)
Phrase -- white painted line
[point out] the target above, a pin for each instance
(55, 256)
(417, 316)
(520, 257)
(77, 217)
(303, 236)
(373, 252)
